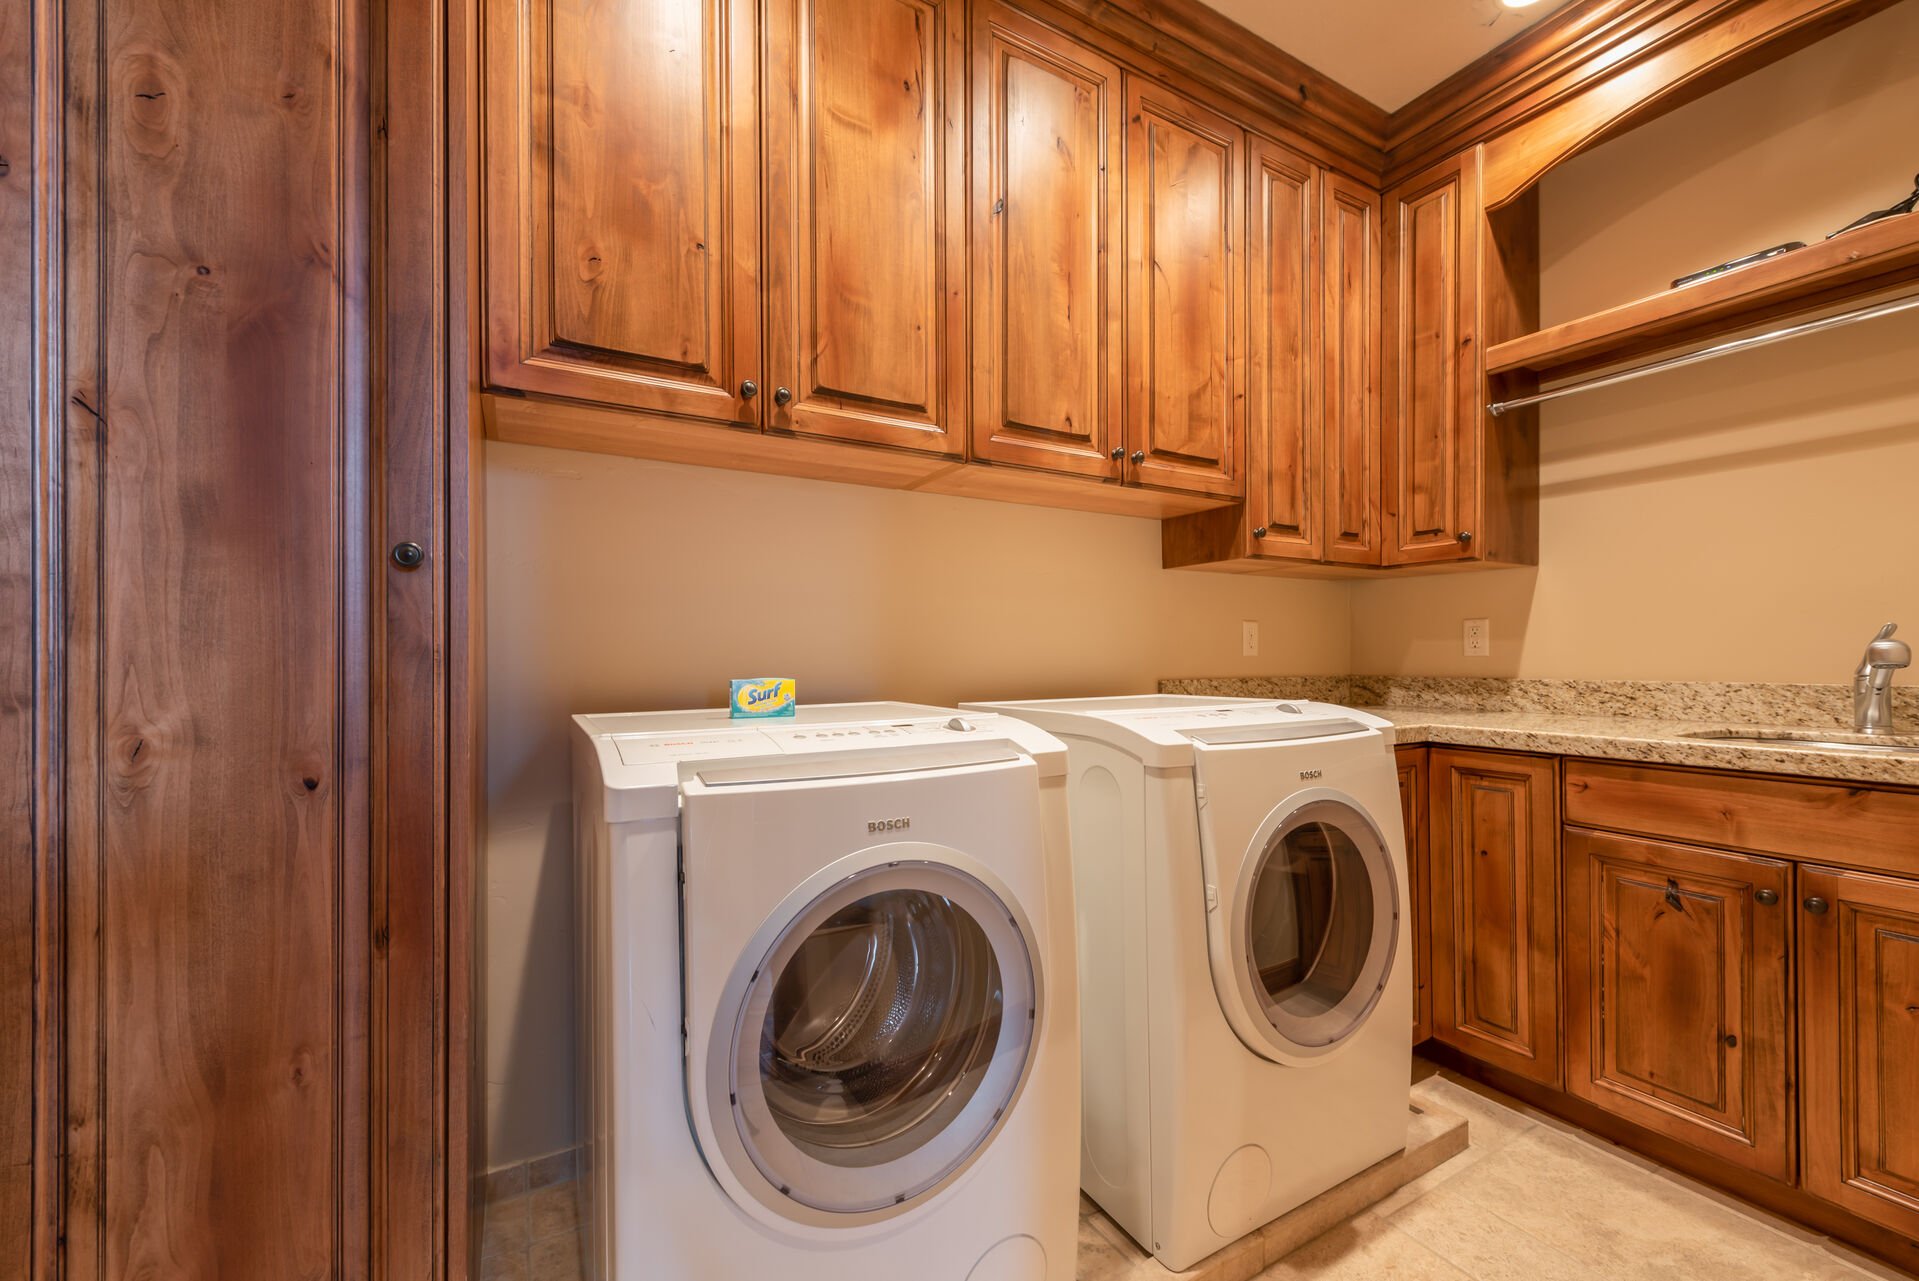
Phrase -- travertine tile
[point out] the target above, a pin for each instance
(556, 1258)
(548, 1170)
(504, 1185)
(504, 1229)
(554, 1211)
(1474, 1239)
(511, 1266)
(1368, 1249)
(1490, 1125)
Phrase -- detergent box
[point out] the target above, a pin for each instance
(765, 696)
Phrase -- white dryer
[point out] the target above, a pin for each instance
(828, 997)
(1246, 994)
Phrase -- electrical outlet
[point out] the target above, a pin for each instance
(1478, 641)
(1249, 639)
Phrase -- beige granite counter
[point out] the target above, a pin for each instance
(1610, 720)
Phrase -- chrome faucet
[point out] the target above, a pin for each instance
(1872, 683)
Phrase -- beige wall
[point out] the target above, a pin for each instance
(619, 585)
(1754, 518)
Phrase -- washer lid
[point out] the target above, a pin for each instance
(1161, 729)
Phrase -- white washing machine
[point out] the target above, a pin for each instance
(1246, 995)
(828, 997)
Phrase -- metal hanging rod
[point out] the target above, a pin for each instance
(1710, 353)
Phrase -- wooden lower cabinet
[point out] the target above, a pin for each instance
(1412, 806)
(1678, 968)
(1495, 909)
(1859, 1029)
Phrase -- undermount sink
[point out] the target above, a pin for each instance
(1817, 740)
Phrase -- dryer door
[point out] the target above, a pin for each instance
(882, 1036)
(1302, 920)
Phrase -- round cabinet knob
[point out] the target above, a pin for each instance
(1766, 898)
(1465, 537)
(1118, 453)
(1139, 456)
(1732, 1041)
(782, 396)
(409, 555)
(1817, 906)
(1259, 531)
(749, 389)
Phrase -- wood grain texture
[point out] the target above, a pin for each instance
(611, 280)
(1350, 370)
(23, 886)
(1873, 829)
(1285, 441)
(1495, 909)
(1875, 257)
(1414, 765)
(225, 429)
(1047, 248)
(866, 221)
(1859, 1021)
(1678, 987)
(1185, 302)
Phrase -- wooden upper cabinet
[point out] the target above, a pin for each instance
(1859, 1029)
(1495, 909)
(1677, 966)
(623, 211)
(1046, 285)
(1184, 304)
(865, 221)
(1431, 382)
(1285, 446)
(1350, 381)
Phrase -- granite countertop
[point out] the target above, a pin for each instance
(1628, 738)
(1611, 720)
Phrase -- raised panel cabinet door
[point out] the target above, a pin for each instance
(1413, 764)
(1350, 371)
(1285, 447)
(1047, 128)
(866, 221)
(622, 190)
(1495, 909)
(1185, 308)
(1859, 1029)
(1431, 423)
(1677, 965)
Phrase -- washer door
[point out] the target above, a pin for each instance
(1311, 929)
(882, 1038)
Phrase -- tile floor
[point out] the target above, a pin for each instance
(1530, 1199)
(531, 1229)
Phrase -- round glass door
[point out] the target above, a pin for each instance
(883, 1037)
(1320, 924)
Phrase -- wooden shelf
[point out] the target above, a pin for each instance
(1877, 256)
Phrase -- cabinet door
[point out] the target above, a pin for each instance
(1350, 371)
(1495, 910)
(1412, 812)
(1046, 248)
(1431, 370)
(1859, 1026)
(865, 221)
(1676, 966)
(1185, 309)
(623, 233)
(1285, 446)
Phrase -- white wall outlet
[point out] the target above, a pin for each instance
(1478, 641)
(1249, 639)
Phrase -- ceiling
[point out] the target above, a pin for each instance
(1386, 51)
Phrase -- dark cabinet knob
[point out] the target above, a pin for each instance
(1259, 532)
(749, 389)
(1465, 537)
(1119, 452)
(1139, 456)
(409, 555)
(1732, 1042)
(1817, 906)
(782, 396)
(1766, 898)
